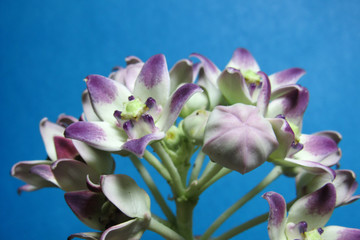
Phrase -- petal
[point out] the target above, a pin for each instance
(243, 60)
(100, 135)
(65, 148)
(264, 94)
(312, 167)
(340, 233)
(309, 182)
(132, 60)
(87, 207)
(233, 86)
(21, 170)
(208, 75)
(284, 135)
(175, 104)
(138, 128)
(277, 215)
(335, 136)
(319, 148)
(296, 231)
(181, 72)
(48, 131)
(65, 120)
(138, 146)
(100, 161)
(238, 137)
(132, 229)
(210, 70)
(153, 80)
(291, 102)
(196, 68)
(132, 72)
(126, 195)
(315, 208)
(88, 108)
(345, 185)
(71, 174)
(286, 77)
(106, 96)
(86, 235)
(44, 171)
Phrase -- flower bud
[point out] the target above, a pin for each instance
(196, 102)
(238, 137)
(194, 125)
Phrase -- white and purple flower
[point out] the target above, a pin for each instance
(315, 153)
(69, 161)
(243, 82)
(117, 207)
(130, 120)
(345, 184)
(307, 217)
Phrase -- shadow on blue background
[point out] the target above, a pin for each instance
(48, 47)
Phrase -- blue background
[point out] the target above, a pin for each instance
(48, 47)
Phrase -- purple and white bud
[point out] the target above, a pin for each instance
(238, 137)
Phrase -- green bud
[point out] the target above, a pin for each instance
(194, 125)
(196, 102)
(173, 138)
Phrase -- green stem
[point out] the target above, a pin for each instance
(243, 227)
(212, 170)
(184, 214)
(223, 172)
(154, 190)
(153, 161)
(168, 163)
(276, 172)
(197, 166)
(249, 224)
(163, 230)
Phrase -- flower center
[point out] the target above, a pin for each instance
(313, 235)
(133, 109)
(296, 131)
(252, 78)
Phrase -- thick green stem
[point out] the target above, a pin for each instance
(249, 224)
(156, 164)
(176, 181)
(154, 190)
(163, 230)
(276, 172)
(184, 214)
(197, 166)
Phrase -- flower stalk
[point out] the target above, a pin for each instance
(274, 174)
(153, 188)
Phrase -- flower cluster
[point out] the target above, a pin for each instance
(241, 118)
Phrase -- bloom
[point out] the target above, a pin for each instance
(69, 161)
(243, 82)
(315, 153)
(117, 207)
(130, 120)
(307, 217)
(345, 184)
